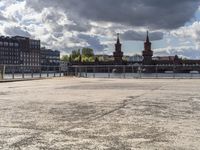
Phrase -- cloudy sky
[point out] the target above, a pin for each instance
(65, 25)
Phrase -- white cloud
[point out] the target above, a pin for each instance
(189, 32)
(182, 51)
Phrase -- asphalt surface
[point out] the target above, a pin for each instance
(100, 114)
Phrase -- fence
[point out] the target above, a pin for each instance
(25, 72)
(137, 71)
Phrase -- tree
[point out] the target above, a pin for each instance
(65, 58)
(96, 59)
(70, 58)
(87, 55)
(87, 52)
(75, 55)
(80, 58)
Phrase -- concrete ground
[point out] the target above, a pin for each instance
(100, 114)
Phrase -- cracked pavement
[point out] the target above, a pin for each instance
(102, 114)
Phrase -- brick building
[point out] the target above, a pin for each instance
(19, 51)
(9, 51)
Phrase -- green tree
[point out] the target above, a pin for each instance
(70, 58)
(75, 55)
(87, 52)
(88, 55)
(65, 58)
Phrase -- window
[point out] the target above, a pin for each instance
(16, 44)
(11, 44)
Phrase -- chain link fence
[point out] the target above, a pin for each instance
(136, 71)
(8, 72)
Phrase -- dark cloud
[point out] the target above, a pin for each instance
(140, 36)
(93, 42)
(78, 28)
(13, 31)
(2, 18)
(156, 14)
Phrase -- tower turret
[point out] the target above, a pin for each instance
(118, 54)
(147, 53)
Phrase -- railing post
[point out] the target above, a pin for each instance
(3, 72)
(140, 71)
(32, 72)
(108, 72)
(93, 72)
(47, 71)
(156, 71)
(76, 71)
(86, 75)
(132, 71)
(13, 72)
(68, 70)
(40, 71)
(79, 72)
(60, 71)
(54, 69)
(22, 72)
(173, 71)
(124, 71)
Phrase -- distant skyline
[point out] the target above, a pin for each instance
(65, 25)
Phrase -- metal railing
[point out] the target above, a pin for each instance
(8, 72)
(136, 71)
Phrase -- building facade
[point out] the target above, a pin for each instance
(24, 54)
(19, 51)
(50, 57)
(29, 51)
(9, 51)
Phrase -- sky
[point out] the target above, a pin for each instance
(66, 25)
